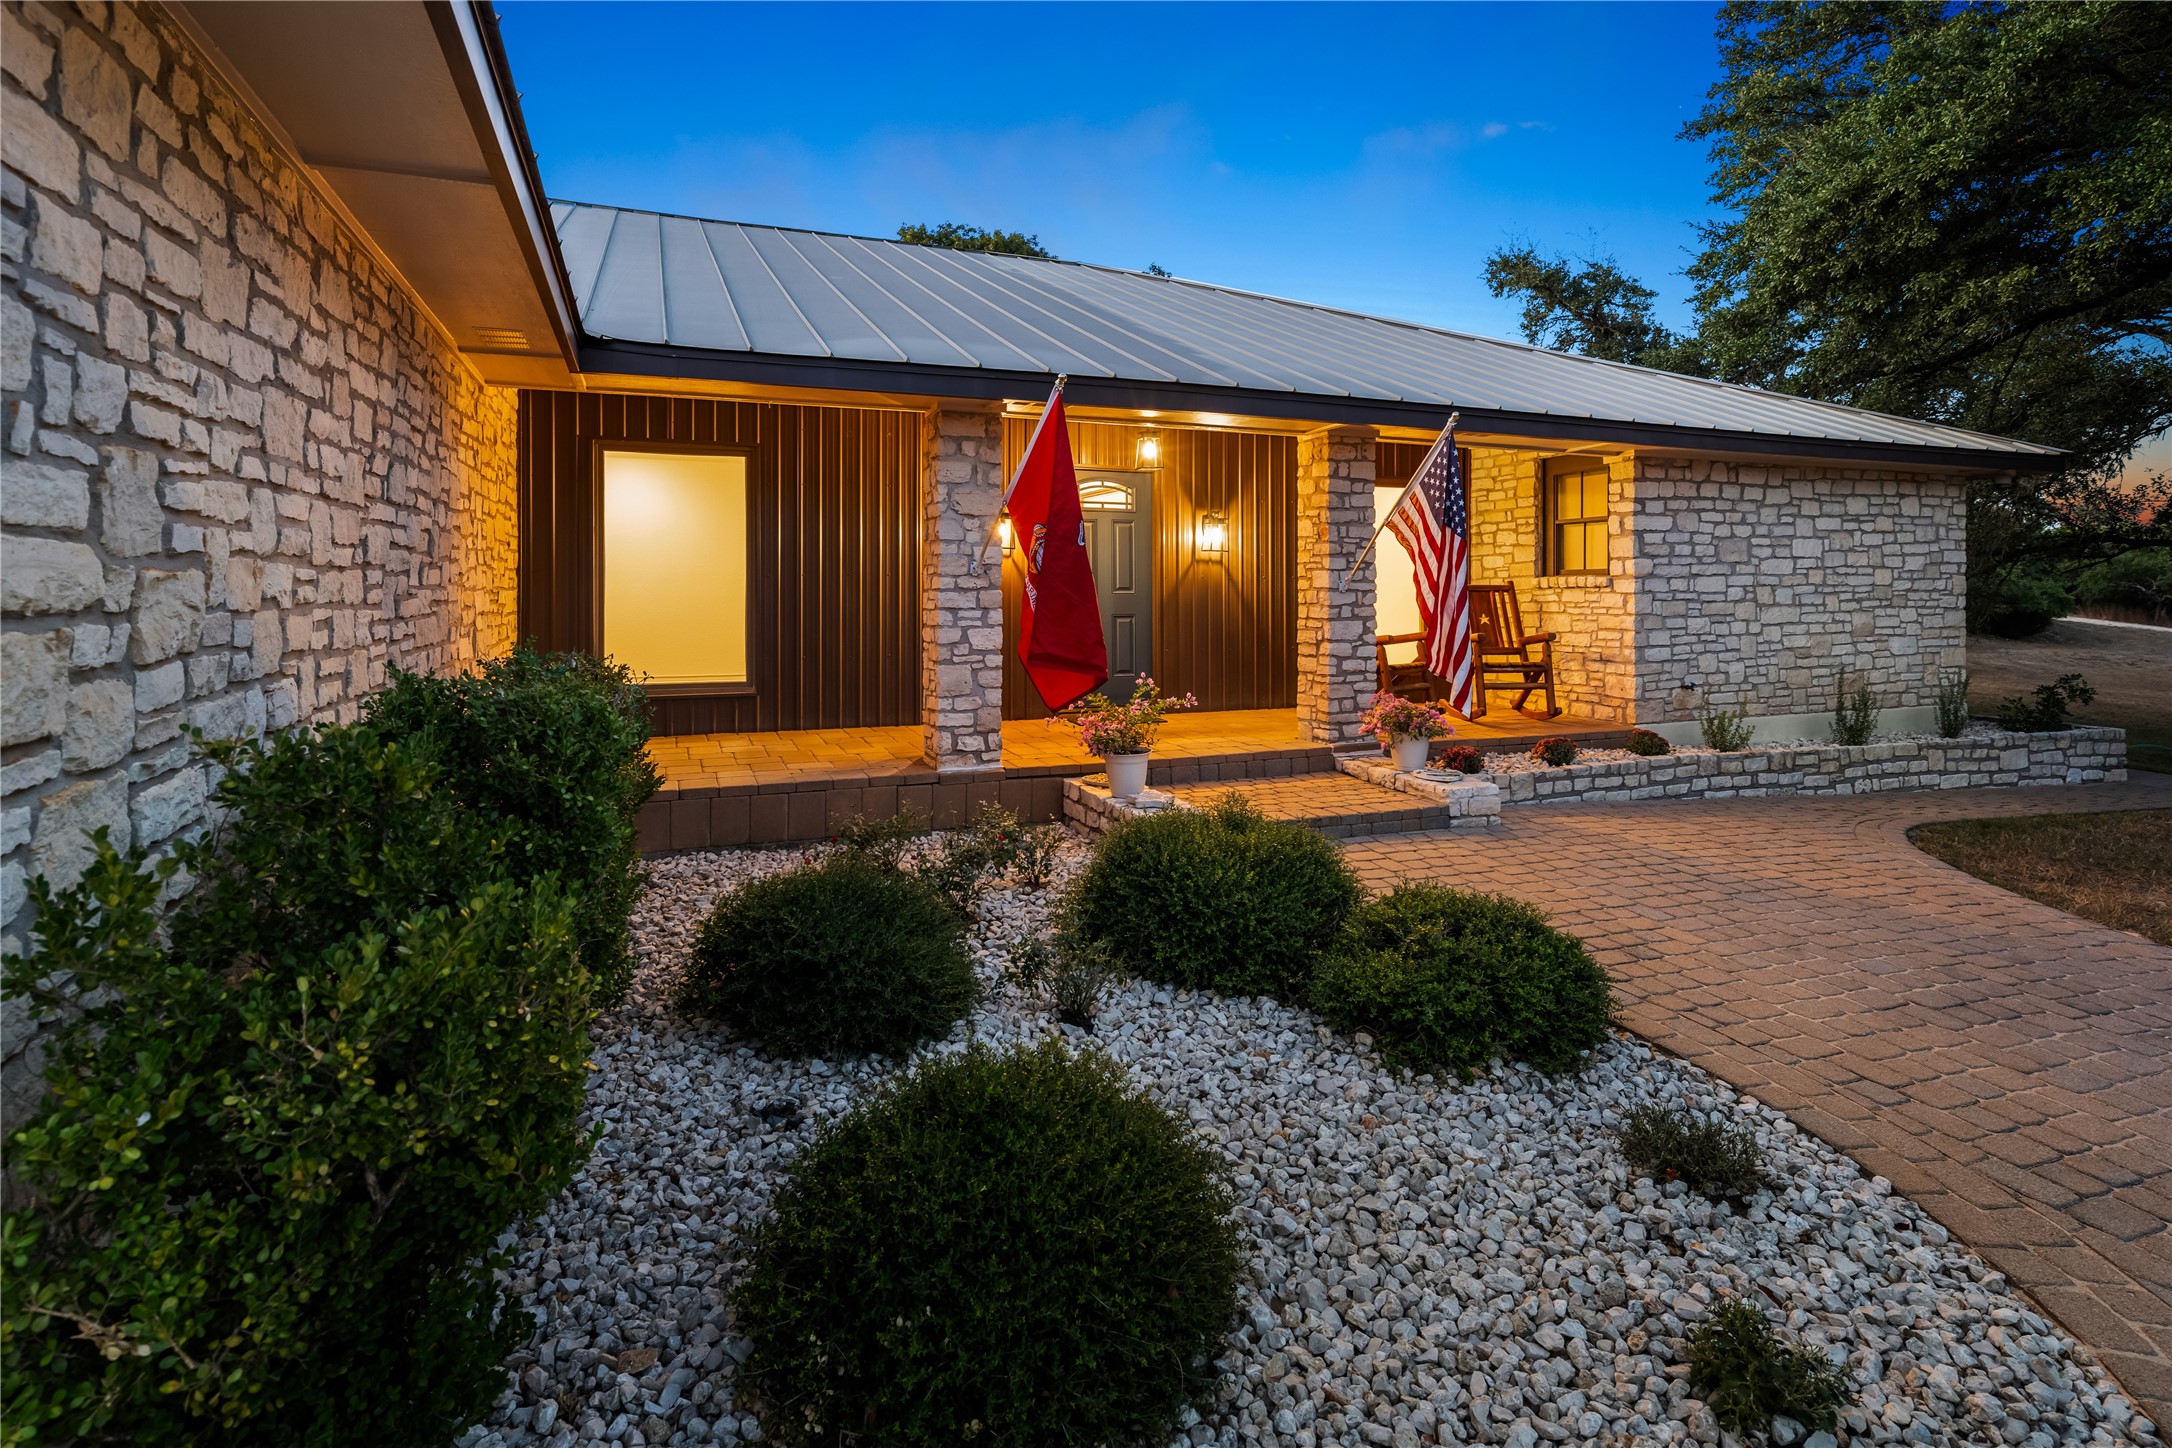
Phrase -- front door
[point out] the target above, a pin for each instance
(1119, 512)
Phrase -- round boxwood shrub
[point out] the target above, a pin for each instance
(992, 1249)
(1463, 758)
(1555, 751)
(1645, 742)
(842, 956)
(1447, 980)
(1220, 898)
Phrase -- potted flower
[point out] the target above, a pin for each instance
(1123, 734)
(1407, 727)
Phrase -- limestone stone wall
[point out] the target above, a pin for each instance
(1595, 615)
(1760, 584)
(244, 473)
(1337, 672)
(961, 593)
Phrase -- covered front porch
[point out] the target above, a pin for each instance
(767, 787)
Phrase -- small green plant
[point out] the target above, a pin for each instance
(838, 956)
(1555, 751)
(1081, 973)
(1462, 758)
(1714, 1159)
(1029, 961)
(1221, 898)
(965, 861)
(1747, 1376)
(1855, 712)
(1726, 730)
(1014, 1249)
(1952, 703)
(1647, 743)
(2049, 709)
(1035, 858)
(884, 842)
(1448, 980)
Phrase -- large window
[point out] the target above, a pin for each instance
(1574, 503)
(675, 566)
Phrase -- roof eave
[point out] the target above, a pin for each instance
(840, 374)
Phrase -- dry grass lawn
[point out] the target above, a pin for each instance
(2113, 868)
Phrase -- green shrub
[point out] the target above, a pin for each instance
(2139, 580)
(1645, 742)
(1714, 1159)
(1726, 730)
(1219, 898)
(1952, 703)
(837, 956)
(2021, 605)
(1746, 1376)
(884, 841)
(1855, 712)
(1000, 1249)
(554, 746)
(965, 861)
(275, 1158)
(1446, 980)
(2048, 710)
(1556, 751)
(1463, 758)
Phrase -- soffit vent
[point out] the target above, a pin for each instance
(502, 338)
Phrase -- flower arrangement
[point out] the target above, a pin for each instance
(1463, 758)
(1107, 728)
(1555, 751)
(1393, 718)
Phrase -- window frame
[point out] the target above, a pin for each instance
(1550, 525)
(600, 448)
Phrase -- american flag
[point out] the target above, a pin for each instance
(1431, 523)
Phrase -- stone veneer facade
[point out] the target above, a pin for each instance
(245, 473)
(1336, 670)
(1756, 583)
(961, 593)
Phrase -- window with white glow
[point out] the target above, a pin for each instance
(675, 565)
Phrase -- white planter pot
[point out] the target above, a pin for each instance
(1127, 774)
(1410, 754)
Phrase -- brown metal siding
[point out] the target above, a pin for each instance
(834, 549)
(1224, 630)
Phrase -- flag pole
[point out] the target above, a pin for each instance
(995, 528)
(1417, 473)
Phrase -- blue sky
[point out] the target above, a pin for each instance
(1367, 156)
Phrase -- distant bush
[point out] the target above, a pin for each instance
(1726, 730)
(1555, 751)
(1004, 1249)
(1855, 712)
(1715, 1159)
(1463, 758)
(2021, 605)
(1747, 1376)
(554, 747)
(2048, 710)
(1220, 898)
(279, 1149)
(841, 956)
(1645, 742)
(1952, 703)
(1446, 980)
(2141, 580)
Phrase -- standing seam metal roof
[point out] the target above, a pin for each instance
(759, 291)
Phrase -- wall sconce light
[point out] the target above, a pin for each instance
(1003, 531)
(1213, 533)
(1149, 450)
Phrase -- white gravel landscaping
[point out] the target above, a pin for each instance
(1435, 1262)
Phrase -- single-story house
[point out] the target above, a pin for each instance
(305, 377)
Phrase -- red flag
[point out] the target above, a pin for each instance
(1059, 625)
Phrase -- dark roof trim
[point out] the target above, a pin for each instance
(638, 359)
(467, 31)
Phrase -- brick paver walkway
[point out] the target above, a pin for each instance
(2005, 1064)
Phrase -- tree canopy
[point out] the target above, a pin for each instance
(957, 237)
(1592, 307)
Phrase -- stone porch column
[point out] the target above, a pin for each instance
(961, 610)
(1336, 672)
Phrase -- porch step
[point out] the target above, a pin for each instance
(1337, 805)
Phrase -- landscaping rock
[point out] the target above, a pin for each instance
(1434, 1262)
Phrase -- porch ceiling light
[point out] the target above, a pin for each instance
(1213, 534)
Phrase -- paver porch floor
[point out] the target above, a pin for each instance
(2005, 1064)
(711, 761)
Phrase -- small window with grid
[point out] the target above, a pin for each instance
(1575, 497)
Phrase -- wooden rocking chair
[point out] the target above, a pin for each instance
(1408, 679)
(1503, 649)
